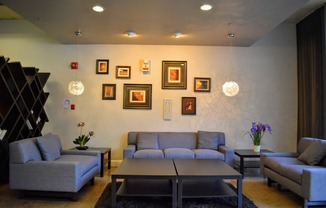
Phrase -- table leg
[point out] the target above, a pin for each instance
(174, 193)
(113, 191)
(109, 159)
(180, 186)
(102, 165)
(239, 188)
(242, 166)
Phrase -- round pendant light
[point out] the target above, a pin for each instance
(230, 88)
(76, 87)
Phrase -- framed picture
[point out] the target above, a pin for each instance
(174, 74)
(202, 84)
(108, 91)
(102, 66)
(137, 96)
(123, 72)
(188, 106)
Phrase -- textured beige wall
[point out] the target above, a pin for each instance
(266, 73)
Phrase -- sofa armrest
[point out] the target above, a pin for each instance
(45, 176)
(313, 184)
(129, 151)
(264, 155)
(228, 154)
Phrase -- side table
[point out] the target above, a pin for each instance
(103, 151)
(248, 153)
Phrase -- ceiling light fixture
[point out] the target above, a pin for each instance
(76, 87)
(206, 7)
(98, 8)
(177, 34)
(131, 33)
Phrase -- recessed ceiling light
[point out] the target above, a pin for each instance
(98, 8)
(131, 33)
(206, 7)
(177, 34)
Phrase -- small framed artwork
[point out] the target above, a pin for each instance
(108, 91)
(137, 96)
(123, 72)
(174, 74)
(202, 84)
(188, 106)
(102, 66)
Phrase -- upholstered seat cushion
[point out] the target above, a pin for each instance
(86, 162)
(149, 153)
(208, 154)
(178, 153)
(294, 172)
(275, 162)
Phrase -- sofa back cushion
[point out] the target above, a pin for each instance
(304, 143)
(50, 146)
(177, 140)
(314, 153)
(23, 151)
(210, 140)
(147, 140)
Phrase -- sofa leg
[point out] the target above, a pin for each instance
(74, 197)
(305, 203)
(93, 181)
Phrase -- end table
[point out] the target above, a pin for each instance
(248, 153)
(102, 150)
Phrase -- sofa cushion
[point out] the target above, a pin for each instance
(177, 140)
(50, 146)
(86, 162)
(208, 154)
(178, 153)
(23, 151)
(149, 153)
(314, 153)
(207, 140)
(294, 172)
(147, 141)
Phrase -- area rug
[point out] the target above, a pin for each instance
(165, 202)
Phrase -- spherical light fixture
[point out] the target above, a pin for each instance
(230, 88)
(76, 87)
(206, 7)
(98, 8)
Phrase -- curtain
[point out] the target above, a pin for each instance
(311, 72)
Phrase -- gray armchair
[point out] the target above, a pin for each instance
(40, 164)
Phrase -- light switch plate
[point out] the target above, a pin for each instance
(167, 109)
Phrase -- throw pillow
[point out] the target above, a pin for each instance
(147, 141)
(207, 140)
(314, 153)
(50, 146)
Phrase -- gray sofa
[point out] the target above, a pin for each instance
(40, 164)
(201, 144)
(303, 172)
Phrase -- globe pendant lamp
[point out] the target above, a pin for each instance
(230, 88)
(76, 87)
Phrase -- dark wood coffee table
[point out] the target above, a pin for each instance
(204, 178)
(145, 177)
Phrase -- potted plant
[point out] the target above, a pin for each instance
(257, 132)
(82, 139)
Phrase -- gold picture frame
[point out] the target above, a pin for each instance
(202, 84)
(137, 96)
(174, 74)
(123, 72)
(108, 91)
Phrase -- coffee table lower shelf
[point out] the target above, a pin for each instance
(145, 187)
(206, 189)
